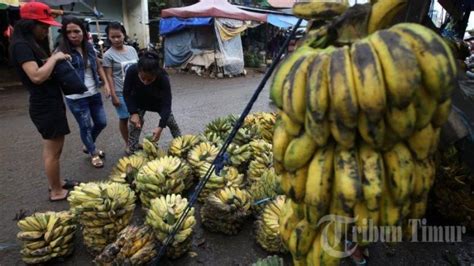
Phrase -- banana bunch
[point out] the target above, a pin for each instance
(213, 138)
(162, 216)
(203, 153)
(238, 155)
(268, 227)
(266, 187)
(226, 210)
(46, 236)
(270, 261)
(135, 245)
(181, 146)
(151, 150)
(245, 134)
(264, 123)
(228, 177)
(167, 175)
(220, 126)
(261, 159)
(358, 128)
(126, 170)
(103, 209)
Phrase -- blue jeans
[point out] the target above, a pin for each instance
(90, 115)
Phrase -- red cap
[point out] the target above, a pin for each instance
(38, 11)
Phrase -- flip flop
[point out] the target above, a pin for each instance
(97, 162)
(99, 152)
(59, 199)
(69, 184)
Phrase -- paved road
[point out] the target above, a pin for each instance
(195, 102)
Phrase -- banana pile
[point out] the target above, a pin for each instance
(238, 155)
(203, 153)
(225, 210)
(270, 261)
(264, 123)
(135, 245)
(126, 169)
(261, 159)
(46, 236)
(268, 227)
(358, 127)
(162, 216)
(103, 209)
(181, 146)
(151, 150)
(265, 188)
(166, 175)
(228, 177)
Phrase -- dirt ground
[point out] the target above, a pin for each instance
(196, 101)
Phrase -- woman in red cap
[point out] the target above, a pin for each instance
(31, 57)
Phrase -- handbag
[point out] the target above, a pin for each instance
(68, 79)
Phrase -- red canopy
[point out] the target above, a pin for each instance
(213, 8)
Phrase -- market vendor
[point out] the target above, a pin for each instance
(147, 88)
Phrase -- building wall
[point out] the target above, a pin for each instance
(135, 14)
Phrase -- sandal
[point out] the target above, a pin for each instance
(59, 199)
(69, 184)
(99, 152)
(97, 162)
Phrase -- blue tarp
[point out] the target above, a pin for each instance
(174, 24)
(285, 22)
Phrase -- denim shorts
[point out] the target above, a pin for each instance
(122, 110)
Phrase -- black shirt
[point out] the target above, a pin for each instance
(43, 93)
(155, 97)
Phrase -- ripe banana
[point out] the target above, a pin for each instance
(425, 106)
(317, 94)
(343, 135)
(373, 171)
(371, 132)
(293, 128)
(297, 184)
(318, 9)
(401, 121)
(320, 179)
(294, 89)
(368, 80)
(343, 96)
(420, 141)
(399, 65)
(383, 13)
(399, 168)
(276, 89)
(347, 178)
(301, 239)
(318, 130)
(299, 152)
(424, 175)
(434, 58)
(441, 114)
(281, 139)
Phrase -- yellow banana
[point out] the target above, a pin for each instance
(399, 168)
(299, 152)
(298, 183)
(293, 128)
(318, 9)
(343, 96)
(371, 132)
(425, 106)
(343, 135)
(347, 178)
(435, 141)
(281, 139)
(318, 130)
(368, 80)
(441, 114)
(320, 176)
(390, 212)
(317, 94)
(373, 171)
(294, 89)
(399, 65)
(383, 12)
(420, 141)
(434, 58)
(424, 174)
(301, 240)
(276, 88)
(401, 121)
